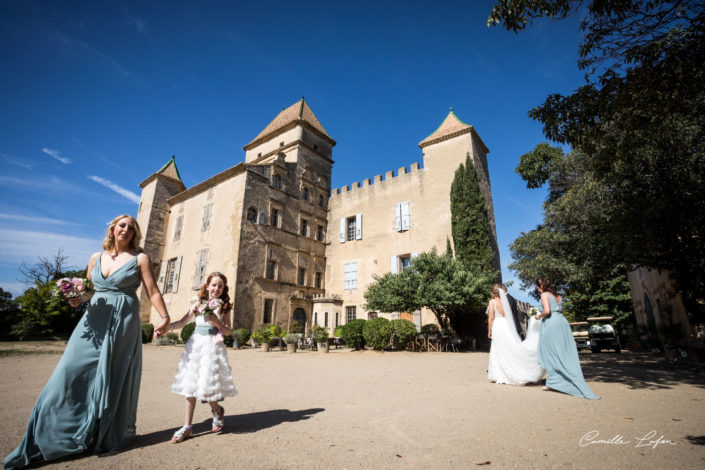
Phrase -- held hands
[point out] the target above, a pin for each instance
(162, 328)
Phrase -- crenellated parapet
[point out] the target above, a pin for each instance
(390, 178)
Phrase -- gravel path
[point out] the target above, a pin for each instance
(369, 410)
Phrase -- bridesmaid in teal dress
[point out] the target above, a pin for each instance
(90, 400)
(557, 351)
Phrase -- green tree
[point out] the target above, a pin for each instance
(639, 126)
(470, 224)
(42, 314)
(567, 246)
(9, 313)
(455, 293)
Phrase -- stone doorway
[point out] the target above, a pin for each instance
(300, 317)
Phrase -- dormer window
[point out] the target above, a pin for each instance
(277, 181)
(306, 194)
(321, 200)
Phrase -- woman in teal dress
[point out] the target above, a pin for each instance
(557, 351)
(90, 400)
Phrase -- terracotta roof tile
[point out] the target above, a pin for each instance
(451, 125)
(299, 111)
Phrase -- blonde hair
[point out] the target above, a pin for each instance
(109, 240)
(494, 290)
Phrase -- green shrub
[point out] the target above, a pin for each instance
(263, 335)
(296, 327)
(187, 331)
(320, 334)
(228, 340)
(338, 332)
(352, 334)
(430, 329)
(147, 332)
(403, 333)
(291, 338)
(377, 333)
(275, 331)
(242, 335)
(169, 339)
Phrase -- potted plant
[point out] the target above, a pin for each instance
(240, 337)
(263, 336)
(291, 341)
(320, 334)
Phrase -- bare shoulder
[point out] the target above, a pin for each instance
(94, 257)
(143, 259)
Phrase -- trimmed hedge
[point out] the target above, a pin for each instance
(147, 332)
(352, 334)
(377, 333)
(187, 331)
(403, 333)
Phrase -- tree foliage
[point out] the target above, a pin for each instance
(9, 313)
(569, 246)
(41, 314)
(455, 293)
(638, 129)
(470, 224)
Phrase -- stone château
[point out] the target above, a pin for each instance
(290, 247)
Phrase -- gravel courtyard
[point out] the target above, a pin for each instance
(370, 410)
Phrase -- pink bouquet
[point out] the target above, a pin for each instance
(72, 287)
(208, 306)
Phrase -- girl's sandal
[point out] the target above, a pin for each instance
(218, 419)
(546, 388)
(181, 435)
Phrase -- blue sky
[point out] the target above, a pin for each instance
(97, 96)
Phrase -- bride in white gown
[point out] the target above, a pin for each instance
(512, 361)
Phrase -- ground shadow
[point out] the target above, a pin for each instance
(234, 424)
(696, 440)
(640, 370)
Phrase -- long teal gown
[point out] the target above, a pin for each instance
(559, 355)
(90, 400)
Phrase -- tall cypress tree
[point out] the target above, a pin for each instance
(469, 221)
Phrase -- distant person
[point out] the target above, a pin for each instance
(515, 312)
(90, 400)
(204, 372)
(557, 351)
(511, 361)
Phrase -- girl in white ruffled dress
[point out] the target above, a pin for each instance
(204, 372)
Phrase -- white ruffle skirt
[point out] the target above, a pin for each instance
(204, 371)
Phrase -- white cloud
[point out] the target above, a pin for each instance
(84, 47)
(38, 183)
(24, 245)
(16, 161)
(56, 155)
(118, 189)
(35, 220)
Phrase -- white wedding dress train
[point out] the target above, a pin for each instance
(513, 361)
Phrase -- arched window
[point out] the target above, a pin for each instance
(252, 214)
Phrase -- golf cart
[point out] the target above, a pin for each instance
(581, 334)
(602, 335)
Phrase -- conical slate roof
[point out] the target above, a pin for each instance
(297, 112)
